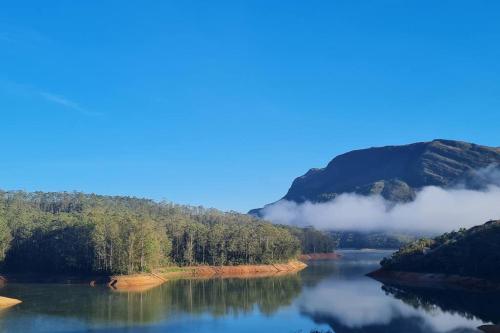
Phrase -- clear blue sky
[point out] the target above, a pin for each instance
(224, 103)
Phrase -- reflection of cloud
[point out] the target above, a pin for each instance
(354, 303)
(360, 303)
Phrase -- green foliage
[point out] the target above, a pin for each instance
(315, 241)
(468, 252)
(5, 237)
(371, 240)
(81, 234)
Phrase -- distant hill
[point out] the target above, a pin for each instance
(394, 172)
(474, 253)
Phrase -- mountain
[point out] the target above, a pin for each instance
(394, 172)
(473, 253)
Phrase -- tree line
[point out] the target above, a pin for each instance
(86, 233)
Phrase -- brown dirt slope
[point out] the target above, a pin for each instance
(247, 270)
(6, 301)
(145, 281)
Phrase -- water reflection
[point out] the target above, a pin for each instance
(472, 305)
(328, 294)
(216, 297)
(350, 302)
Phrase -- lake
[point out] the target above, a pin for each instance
(328, 295)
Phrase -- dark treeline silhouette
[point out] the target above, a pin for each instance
(87, 233)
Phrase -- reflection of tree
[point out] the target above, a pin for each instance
(466, 304)
(233, 296)
(217, 297)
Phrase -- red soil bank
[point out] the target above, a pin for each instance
(6, 302)
(247, 270)
(140, 282)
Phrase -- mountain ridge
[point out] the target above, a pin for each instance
(395, 172)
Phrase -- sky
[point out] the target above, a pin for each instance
(224, 103)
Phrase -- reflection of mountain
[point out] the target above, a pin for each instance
(216, 297)
(484, 306)
(360, 305)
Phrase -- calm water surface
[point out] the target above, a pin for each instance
(328, 295)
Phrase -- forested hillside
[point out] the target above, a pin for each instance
(468, 252)
(87, 233)
(371, 240)
(313, 240)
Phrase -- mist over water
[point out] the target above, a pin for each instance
(434, 209)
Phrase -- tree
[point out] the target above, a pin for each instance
(87, 233)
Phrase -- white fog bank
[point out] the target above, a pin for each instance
(434, 210)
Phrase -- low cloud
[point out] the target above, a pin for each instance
(434, 209)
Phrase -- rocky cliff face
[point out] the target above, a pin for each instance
(395, 172)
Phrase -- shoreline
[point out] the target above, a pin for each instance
(160, 276)
(7, 302)
(434, 280)
(144, 281)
